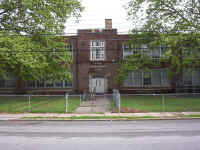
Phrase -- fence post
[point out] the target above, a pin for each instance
(163, 103)
(29, 103)
(66, 103)
(80, 98)
(119, 101)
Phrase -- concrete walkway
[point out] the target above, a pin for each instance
(100, 104)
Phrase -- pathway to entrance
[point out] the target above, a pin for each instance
(100, 104)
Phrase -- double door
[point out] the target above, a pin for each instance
(98, 84)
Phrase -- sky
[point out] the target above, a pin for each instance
(95, 13)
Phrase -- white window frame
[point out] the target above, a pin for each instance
(95, 48)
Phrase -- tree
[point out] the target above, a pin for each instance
(172, 24)
(29, 46)
(165, 15)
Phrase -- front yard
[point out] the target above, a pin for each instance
(57, 104)
(155, 103)
(37, 104)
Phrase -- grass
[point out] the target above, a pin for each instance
(192, 116)
(155, 104)
(53, 104)
(92, 117)
(74, 103)
(111, 117)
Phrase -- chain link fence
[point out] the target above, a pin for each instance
(122, 103)
(136, 103)
(39, 103)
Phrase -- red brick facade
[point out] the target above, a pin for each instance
(83, 67)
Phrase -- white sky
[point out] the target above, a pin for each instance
(95, 13)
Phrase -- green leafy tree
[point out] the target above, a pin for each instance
(29, 47)
(172, 24)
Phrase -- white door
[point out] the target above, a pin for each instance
(99, 84)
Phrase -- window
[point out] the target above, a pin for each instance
(40, 84)
(159, 77)
(129, 50)
(9, 82)
(191, 77)
(97, 50)
(146, 78)
(155, 78)
(69, 47)
(58, 84)
(67, 84)
(155, 54)
(49, 84)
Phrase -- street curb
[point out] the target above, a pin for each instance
(100, 117)
(142, 119)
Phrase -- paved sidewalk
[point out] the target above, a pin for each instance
(100, 104)
(4, 116)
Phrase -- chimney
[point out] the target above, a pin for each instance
(108, 24)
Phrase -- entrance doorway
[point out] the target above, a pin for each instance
(98, 83)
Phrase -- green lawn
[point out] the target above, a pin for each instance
(74, 103)
(154, 103)
(51, 104)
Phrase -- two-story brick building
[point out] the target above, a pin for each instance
(96, 55)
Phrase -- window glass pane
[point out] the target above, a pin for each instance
(2, 83)
(134, 79)
(40, 84)
(128, 81)
(59, 84)
(147, 78)
(164, 78)
(31, 84)
(137, 79)
(156, 52)
(49, 84)
(196, 77)
(156, 77)
(68, 84)
(187, 77)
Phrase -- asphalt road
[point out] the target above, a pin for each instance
(100, 135)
